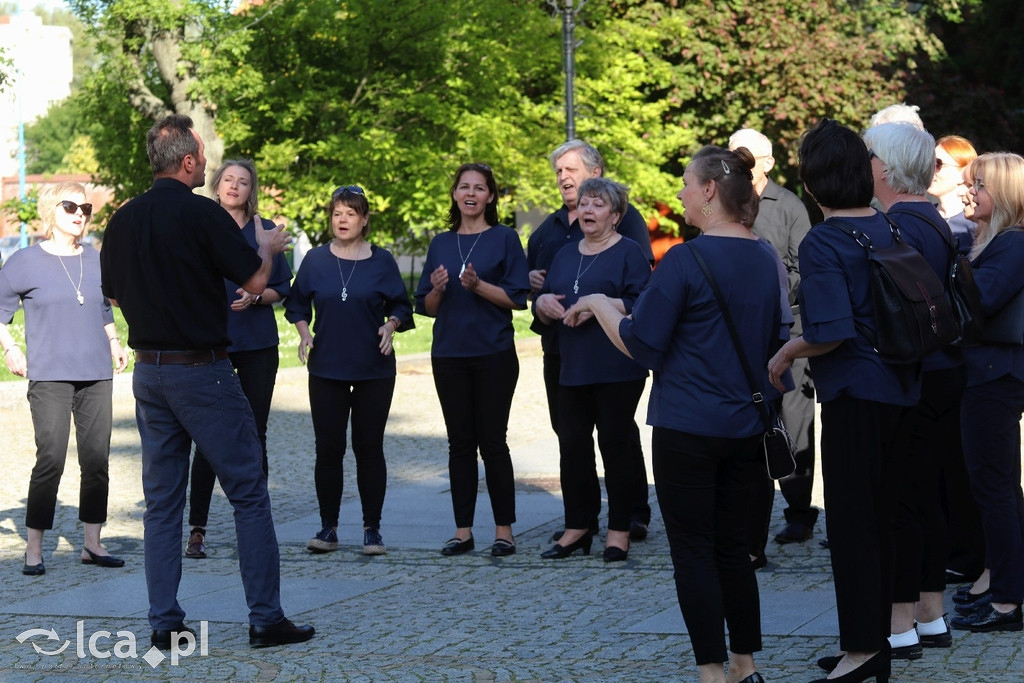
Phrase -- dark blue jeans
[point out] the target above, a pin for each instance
(257, 373)
(990, 416)
(176, 405)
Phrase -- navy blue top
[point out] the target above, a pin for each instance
(256, 327)
(999, 274)
(346, 345)
(619, 272)
(677, 330)
(169, 237)
(963, 230)
(466, 323)
(835, 297)
(64, 341)
(937, 251)
(556, 232)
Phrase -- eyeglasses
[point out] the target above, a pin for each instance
(872, 155)
(978, 185)
(354, 189)
(72, 208)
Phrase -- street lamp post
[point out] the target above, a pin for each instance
(569, 10)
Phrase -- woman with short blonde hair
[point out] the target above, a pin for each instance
(70, 339)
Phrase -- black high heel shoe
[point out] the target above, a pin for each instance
(753, 678)
(557, 552)
(879, 667)
(615, 554)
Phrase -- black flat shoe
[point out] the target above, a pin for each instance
(878, 667)
(967, 598)
(33, 569)
(637, 531)
(615, 554)
(161, 638)
(557, 552)
(982, 602)
(102, 560)
(907, 652)
(829, 664)
(937, 639)
(502, 548)
(456, 546)
(794, 532)
(283, 632)
(753, 678)
(990, 619)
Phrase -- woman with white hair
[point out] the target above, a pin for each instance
(903, 166)
(993, 401)
(70, 340)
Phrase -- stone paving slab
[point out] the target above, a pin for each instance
(411, 615)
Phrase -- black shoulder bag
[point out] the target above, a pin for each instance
(778, 447)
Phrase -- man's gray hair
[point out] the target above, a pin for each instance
(898, 113)
(588, 154)
(168, 142)
(754, 140)
(908, 154)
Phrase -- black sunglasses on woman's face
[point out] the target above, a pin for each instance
(72, 208)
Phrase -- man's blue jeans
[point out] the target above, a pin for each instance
(176, 405)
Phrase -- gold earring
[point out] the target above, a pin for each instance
(706, 209)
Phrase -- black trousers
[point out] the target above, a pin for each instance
(476, 399)
(919, 527)
(257, 373)
(861, 444)
(991, 414)
(610, 408)
(640, 507)
(52, 405)
(703, 486)
(330, 403)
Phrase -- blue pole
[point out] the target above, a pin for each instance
(22, 192)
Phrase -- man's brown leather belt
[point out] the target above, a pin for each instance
(189, 357)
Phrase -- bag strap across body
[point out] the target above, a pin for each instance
(756, 395)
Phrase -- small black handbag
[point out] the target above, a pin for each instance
(778, 446)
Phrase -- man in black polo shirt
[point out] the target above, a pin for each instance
(573, 162)
(164, 259)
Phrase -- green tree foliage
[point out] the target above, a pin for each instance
(49, 139)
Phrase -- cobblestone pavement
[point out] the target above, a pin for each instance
(411, 615)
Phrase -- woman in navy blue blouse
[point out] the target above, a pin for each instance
(994, 398)
(707, 430)
(866, 404)
(598, 386)
(360, 302)
(474, 276)
(252, 328)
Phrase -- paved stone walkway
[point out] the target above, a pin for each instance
(411, 615)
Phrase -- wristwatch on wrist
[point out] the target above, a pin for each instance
(258, 299)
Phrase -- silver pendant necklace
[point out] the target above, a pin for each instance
(81, 272)
(576, 284)
(344, 281)
(465, 259)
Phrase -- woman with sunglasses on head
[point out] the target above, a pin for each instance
(474, 276)
(353, 294)
(70, 340)
(252, 328)
(993, 401)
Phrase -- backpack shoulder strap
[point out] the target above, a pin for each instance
(944, 231)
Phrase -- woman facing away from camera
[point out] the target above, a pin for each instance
(357, 294)
(707, 442)
(70, 340)
(474, 276)
(252, 328)
(866, 403)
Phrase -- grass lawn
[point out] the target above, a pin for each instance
(406, 343)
